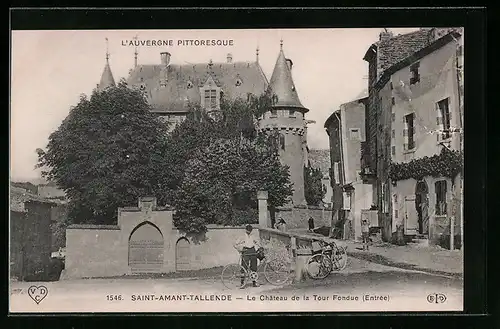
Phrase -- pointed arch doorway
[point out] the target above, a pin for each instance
(146, 249)
(422, 207)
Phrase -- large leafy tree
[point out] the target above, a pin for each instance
(221, 182)
(110, 150)
(313, 187)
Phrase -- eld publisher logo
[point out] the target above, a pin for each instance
(436, 298)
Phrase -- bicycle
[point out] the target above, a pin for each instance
(331, 257)
(276, 272)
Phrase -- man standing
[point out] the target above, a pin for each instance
(365, 231)
(248, 247)
(311, 224)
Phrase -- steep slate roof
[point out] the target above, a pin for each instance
(397, 48)
(320, 159)
(281, 84)
(175, 95)
(107, 79)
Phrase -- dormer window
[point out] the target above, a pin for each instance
(189, 85)
(211, 98)
(238, 82)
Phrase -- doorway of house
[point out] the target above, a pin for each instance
(422, 206)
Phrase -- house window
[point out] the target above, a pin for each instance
(393, 134)
(395, 205)
(443, 118)
(393, 101)
(440, 197)
(211, 98)
(336, 174)
(393, 150)
(282, 142)
(393, 117)
(274, 113)
(392, 86)
(414, 73)
(291, 113)
(384, 201)
(355, 134)
(409, 132)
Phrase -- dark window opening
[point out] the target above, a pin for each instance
(441, 198)
(444, 117)
(282, 142)
(415, 75)
(291, 113)
(274, 112)
(393, 101)
(410, 131)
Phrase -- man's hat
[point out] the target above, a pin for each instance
(249, 227)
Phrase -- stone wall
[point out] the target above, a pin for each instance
(297, 218)
(95, 251)
(103, 250)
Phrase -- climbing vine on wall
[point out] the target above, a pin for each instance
(446, 164)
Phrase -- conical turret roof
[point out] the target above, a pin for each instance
(107, 79)
(281, 84)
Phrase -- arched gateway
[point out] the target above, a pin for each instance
(145, 249)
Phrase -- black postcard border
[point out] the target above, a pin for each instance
(474, 22)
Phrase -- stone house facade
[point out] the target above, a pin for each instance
(346, 129)
(403, 123)
(30, 236)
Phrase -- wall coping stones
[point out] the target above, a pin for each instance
(93, 227)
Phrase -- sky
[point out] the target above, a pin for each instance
(51, 69)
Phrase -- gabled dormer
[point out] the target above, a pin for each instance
(210, 94)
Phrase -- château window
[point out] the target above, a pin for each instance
(440, 187)
(282, 142)
(211, 98)
(414, 73)
(409, 132)
(443, 118)
(274, 113)
(291, 113)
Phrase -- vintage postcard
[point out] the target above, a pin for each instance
(259, 170)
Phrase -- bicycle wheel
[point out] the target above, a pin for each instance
(319, 266)
(277, 272)
(234, 276)
(339, 259)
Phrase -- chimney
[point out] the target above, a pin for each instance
(229, 58)
(289, 63)
(385, 35)
(165, 58)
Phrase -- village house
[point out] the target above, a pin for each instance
(413, 122)
(346, 130)
(30, 235)
(320, 159)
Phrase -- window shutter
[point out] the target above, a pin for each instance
(439, 121)
(405, 134)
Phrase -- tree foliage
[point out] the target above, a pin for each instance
(109, 151)
(222, 180)
(313, 186)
